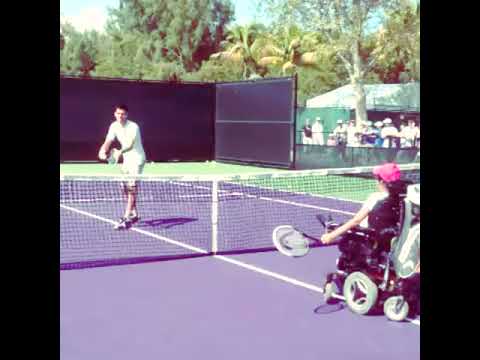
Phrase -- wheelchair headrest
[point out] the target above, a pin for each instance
(413, 194)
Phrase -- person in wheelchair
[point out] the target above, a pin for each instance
(381, 211)
(365, 243)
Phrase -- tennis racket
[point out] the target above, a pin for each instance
(292, 242)
(114, 156)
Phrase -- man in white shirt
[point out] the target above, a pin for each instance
(352, 134)
(317, 132)
(410, 134)
(128, 134)
(389, 133)
(340, 133)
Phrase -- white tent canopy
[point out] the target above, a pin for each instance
(402, 96)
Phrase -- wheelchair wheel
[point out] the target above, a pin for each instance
(329, 289)
(396, 308)
(360, 293)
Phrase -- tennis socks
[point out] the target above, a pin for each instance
(133, 217)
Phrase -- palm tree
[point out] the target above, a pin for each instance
(289, 50)
(241, 45)
(261, 51)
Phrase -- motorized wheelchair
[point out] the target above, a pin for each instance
(376, 267)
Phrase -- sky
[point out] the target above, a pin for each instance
(92, 14)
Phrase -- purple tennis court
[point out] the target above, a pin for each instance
(245, 303)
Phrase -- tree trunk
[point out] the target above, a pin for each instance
(357, 84)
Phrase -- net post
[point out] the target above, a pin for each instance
(214, 216)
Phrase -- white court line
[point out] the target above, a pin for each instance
(219, 257)
(296, 192)
(230, 193)
(270, 273)
(210, 195)
(274, 200)
(75, 201)
(170, 241)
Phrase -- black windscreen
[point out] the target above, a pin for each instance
(255, 121)
(176, 120)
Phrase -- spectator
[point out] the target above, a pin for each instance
(410, 134)
(369, 134)
(403, 125)
(362, 133)
(389, 134)
(331, 140)
(352, 134)
(340, 133)
(306, 135)
(317, 130)
(376, 134)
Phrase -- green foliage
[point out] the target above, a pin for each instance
(213, 70)
(78, 52)
(181, 31)
(327, 43)
(240, 46)
(398, 45)
(312, 83)
(169, 71)
(347, 26)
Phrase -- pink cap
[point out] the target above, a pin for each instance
(387, 172)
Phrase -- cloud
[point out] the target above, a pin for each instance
(88, 19)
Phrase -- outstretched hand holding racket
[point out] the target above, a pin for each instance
(112, 157)
(292, 242)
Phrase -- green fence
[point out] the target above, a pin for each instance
(328, 116)
(323, 157)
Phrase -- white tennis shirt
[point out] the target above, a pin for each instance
(370, 203)
(125, 134)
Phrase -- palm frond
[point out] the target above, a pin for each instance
(270, 60)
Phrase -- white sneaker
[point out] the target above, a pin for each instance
(123, 224)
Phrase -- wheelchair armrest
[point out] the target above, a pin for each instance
(388, 232)
(362, 231)
(331, 226)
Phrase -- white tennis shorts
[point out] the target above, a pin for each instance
(132, 169)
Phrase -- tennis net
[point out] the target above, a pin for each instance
(202, 215)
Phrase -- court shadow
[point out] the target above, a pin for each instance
(329, 308)
(165, 223)
(332, 308)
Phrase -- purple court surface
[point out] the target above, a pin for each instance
(259, 305)
(206, 308)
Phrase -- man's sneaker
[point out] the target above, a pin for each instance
(123, 224)
(133, 219)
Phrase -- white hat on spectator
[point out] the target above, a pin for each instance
(369, 123)
(339, 121)
(317, 118)
(379, 124)
(387, 121)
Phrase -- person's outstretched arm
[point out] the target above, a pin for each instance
(355, 221)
